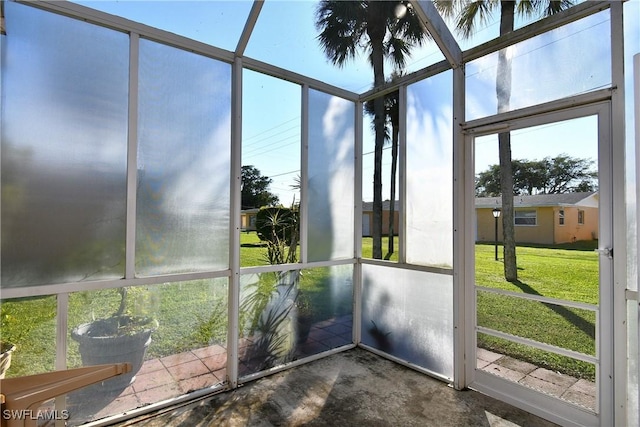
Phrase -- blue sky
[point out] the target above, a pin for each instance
(285, 36)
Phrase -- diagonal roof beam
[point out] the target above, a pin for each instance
(248, 27)
(434, 23)
(2, 29)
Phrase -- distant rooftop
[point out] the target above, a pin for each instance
(563, 199)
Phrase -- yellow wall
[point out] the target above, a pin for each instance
(541, 233)
(571, 231)
(547, 230)
(385, 222)
(248, 221)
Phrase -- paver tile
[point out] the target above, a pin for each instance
(197, 383)
(320, 334)
(504, 372)
(128, 390)
(312, 347)
(557, 378)
(119, 405)
(335, 341)
(487, 355)
(188, 370)
(585, 387)
(209, 351)
(221, 375)
(215, 362)
(481, 364)
(158, 394)
(151, 380)
(516, 365)
(543, 386)
(150, 366)
(338, 328)
(586, 400)
(345, 319)
(176, 359)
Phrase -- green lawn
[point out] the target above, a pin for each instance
(252, 249)
(568, 272)
(193, 314)
(367, 248)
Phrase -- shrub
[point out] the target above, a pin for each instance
(277, 224)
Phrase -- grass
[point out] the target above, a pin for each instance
(193, 314)
(367, 248)
(559, 272)
(568, 272)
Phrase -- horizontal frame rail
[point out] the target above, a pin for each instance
(413, 267)
(539, 345)
(541, 298)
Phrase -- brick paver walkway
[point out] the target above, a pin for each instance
(178, 374)
(578, 391)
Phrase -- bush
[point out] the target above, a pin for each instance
(277, 224)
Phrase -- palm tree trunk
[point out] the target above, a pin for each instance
(376, 33)
(503, 92)
(392, 202)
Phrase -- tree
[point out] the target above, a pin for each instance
(255, 189)
(392, 118)
(561, 174)
(383, 29)
(468, 13)
(568, 174)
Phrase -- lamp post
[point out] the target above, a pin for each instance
(496, 215)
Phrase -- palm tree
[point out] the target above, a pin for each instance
(392, 118)
(468, 13)
(383, 29)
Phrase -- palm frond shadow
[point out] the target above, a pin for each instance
(268, 317)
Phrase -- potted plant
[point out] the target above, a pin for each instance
(122, 337)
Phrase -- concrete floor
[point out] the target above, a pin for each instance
(353, 388)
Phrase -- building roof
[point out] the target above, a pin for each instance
(386, 205)
(538, 200)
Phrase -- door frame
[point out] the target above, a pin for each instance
(551, 408)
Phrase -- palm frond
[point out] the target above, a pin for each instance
(342, 25)
(556, 6)
(475, 13)
(542, 8)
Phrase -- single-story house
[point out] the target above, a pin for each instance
(542, 218)
(367, 218)
(248, 219)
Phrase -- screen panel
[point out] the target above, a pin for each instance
(409, 314)
(429, 216)
(173, 334)
(184, 141)
(64, 142)
(567, 61)
(331, 171)
(289, 315)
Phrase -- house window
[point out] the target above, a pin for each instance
(581, 217)
(525, 218)
(561, 217)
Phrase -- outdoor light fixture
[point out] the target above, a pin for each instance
(401, 10)
(496, 215)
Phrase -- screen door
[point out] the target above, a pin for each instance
(542, 264)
